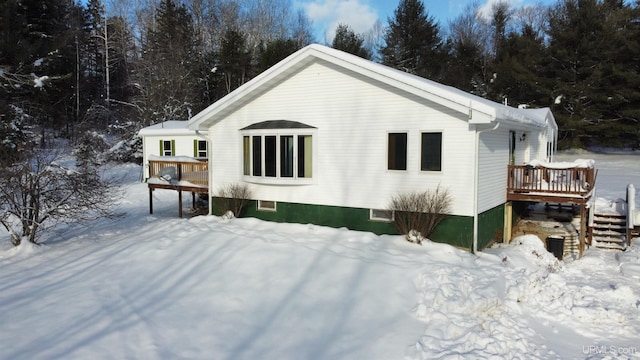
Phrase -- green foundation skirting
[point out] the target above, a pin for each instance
(490, 226)
(454, 230)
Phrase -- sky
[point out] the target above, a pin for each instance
(361, 15)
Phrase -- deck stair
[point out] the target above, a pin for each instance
(609, 231)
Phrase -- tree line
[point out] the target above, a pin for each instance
(117, 66)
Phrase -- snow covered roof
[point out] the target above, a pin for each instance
(171, 127)
(478, 109)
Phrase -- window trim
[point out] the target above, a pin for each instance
(172, 147)
(373, 217)
(261, 205)
(278, 179)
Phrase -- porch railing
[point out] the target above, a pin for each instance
(569, 181)
(195, 172)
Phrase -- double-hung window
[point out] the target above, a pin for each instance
(167, 147)
(397, 151)
(200, 148)
(431, 151)
(278, 150)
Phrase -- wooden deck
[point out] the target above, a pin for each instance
(554, 185)
(185, 172)
(191, 176)
(542, 184)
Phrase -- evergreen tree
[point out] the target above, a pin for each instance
(467, 64)
(516, 64)
(37, 44)
(413, 41)
(235, 59)
(348, 41)
(167, 66)
(94, 53)
(518, 68)
(594, 72)
(276, 51)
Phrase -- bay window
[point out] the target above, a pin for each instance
(286, 156)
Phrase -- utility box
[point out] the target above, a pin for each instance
(555, 245)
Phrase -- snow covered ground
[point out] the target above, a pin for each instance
(158, 287)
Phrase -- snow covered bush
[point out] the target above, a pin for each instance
(418, 213)
(128, 150)
(236, 197)
(14, 134)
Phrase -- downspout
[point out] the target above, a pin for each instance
(475, 185)
(209, 167)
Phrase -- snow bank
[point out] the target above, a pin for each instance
(159, 287)
(471, 305)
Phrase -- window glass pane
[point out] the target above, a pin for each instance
(397, 159)
(202, 148)
(257, 156)
(431, 152)
(246, 155)
(166, 148)
(286, 156)
(305, 156)
(270, 156)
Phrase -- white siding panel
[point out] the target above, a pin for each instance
(492, 174)
(353, 118)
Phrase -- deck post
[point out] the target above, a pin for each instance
(508, 220)
(151, 201)
(583, 227)
(179, 202)
(193, 199)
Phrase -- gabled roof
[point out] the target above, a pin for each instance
(478, 109)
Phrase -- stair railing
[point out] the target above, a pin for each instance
(592, 213)
(631, 209)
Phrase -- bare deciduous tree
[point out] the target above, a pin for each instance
(42, 192)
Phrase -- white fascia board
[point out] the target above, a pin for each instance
(171, 127)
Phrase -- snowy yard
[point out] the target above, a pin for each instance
(159, 287)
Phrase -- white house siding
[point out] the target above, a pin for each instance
(492, 164)
(353, 119)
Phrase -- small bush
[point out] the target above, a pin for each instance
(237, 196)
(418, 213)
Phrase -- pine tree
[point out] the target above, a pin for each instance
(275, 51)
(348, 41)
(235, 59)
(594, 72)
(413, 41)
(467, 64)
(167, 67)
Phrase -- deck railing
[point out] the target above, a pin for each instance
(195, 172)
(570, 181)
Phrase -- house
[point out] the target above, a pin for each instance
(176, 158)
(171, 139)
(328, 138)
